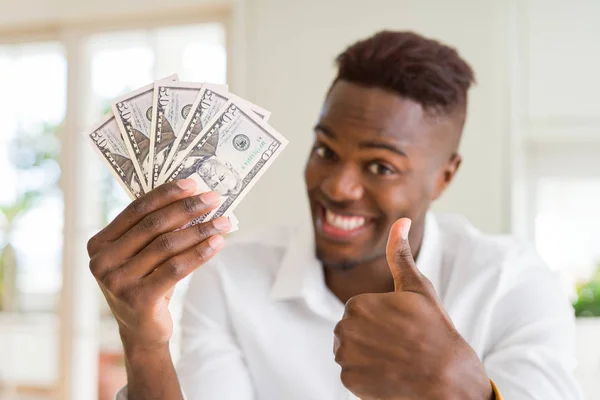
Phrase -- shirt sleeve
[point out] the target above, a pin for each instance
(532, 353)
(212, 365)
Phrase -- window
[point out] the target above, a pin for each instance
(32, 108)
(33, 78)
(567, 226)
(563, 198)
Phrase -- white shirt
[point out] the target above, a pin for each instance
(258, 321)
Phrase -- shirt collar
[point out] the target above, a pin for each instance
(299, 268)
(301, 274)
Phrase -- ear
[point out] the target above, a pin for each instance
(446, 174)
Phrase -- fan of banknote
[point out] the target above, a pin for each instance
(171, 130)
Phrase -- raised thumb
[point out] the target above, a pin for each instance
(400, 259)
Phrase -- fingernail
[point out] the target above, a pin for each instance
(222, 223)
(216, 242)
(405, 229)
(187, 185)
(210, 197)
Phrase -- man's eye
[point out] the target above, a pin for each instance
(379, 169)
(324, 152)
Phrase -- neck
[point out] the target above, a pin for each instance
(370, 277)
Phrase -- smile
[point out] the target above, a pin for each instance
(340, 227)
(344, 222)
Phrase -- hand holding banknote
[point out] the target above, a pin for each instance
(140, 256)
(186, 154)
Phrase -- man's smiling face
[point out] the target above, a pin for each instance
(377, 157)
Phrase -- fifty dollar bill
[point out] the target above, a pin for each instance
(134, 115)
(229, 156)
(210, 101)
(107, 140)
(171, 106)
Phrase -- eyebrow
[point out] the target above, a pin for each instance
(364, 145)
(325, 131)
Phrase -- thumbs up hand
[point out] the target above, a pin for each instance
(402, 345)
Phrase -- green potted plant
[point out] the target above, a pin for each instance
(587, 303)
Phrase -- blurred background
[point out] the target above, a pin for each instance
(531, 146)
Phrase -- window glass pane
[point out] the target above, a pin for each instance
(33, 78)
(196, 52)
(567, 226)
(120, 62)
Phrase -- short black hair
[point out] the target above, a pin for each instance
(413, 66)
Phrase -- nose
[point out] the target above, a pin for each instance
(343, 184)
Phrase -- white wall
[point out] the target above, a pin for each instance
(563, 61)
(292, 47)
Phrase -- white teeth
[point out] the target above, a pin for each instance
(343, 222)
